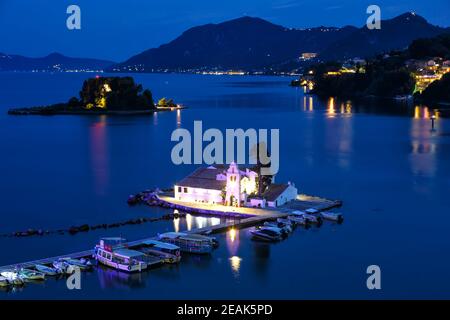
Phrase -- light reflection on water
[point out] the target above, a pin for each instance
(99, 154)
(235, 263)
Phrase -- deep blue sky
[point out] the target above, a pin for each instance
(117, 29)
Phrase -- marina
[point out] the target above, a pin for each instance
(139, 255)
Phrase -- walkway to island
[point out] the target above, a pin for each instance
(247, 217)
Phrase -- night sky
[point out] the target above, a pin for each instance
(118, 29)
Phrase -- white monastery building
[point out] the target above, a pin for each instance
(231, 186)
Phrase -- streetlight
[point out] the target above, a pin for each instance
(433, 117)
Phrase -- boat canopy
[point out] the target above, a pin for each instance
(197, 237)
(173, 235)
(162, 245)
(311, 210)
(127, 253)
(297, 213)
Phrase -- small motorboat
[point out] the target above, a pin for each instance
(27, 275)
(61, 266)
(298, 220)
(4, 282)
(49, 271)
(12, 278)
(285, 228)
(287, 221)
(308, 216)
(271, 234)
(83, 265)
(332, 216)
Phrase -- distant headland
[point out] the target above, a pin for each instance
(105, 95)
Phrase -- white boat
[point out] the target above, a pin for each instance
(298, 220)
(112, 253)
(168, 252)
(27, 275)
(267, 234)
(287, 221)
(61, 266)
(332, 216)
(308, 216)
(12, 278)
(191, 243)
(285, 228)
(83, 265)
(49, 271)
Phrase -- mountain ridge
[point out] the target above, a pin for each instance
(248, 43)
(52, 62)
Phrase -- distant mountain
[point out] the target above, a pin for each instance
(396, 33)
(52, 62)
(241, 43)
(251, 43)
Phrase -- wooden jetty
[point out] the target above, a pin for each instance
(248, 217)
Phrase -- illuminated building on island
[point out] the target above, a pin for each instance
(231, 186)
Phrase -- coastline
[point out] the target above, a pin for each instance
(49, 111)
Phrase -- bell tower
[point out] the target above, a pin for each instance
(233, 188)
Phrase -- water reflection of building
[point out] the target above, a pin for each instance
(331, 111)
(232, 240)
(178, 118)
(423, 146)
(339, 134)
(99, 154)
(235, 263)
(194, 222)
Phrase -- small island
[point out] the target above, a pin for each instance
(105, 95)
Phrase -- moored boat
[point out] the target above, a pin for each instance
(299, 220)
(168, 252)
(83, 265)
(27, 275)
(271, 234)
(4, 282)
(287, 221)
(332, 216)
(285, 229)
(49, 271)
(12, 278)
(112, 253)
(61, 266)
(308, 216)
(191, 243)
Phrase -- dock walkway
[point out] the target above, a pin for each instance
(249, 217)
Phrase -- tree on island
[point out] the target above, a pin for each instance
(166, 103)
(115, 93)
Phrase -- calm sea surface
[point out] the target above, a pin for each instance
(392, 173)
